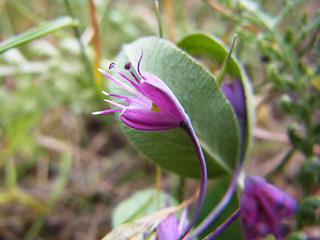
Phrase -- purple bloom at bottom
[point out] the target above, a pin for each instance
(263, 206)
(153, 106)
(170, 228)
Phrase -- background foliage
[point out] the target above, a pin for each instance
(63, 171)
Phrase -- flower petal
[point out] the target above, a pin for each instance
(145, 119)
(168, 228)
(162, 96)
(132, 101)
(284, 204)
(235, 94)
(271, 206)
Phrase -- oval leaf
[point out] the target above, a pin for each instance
(202, 44)
(142, 228)
(141, 203)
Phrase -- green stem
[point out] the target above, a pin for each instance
(159, 18)
(225, 62)
(77, 34)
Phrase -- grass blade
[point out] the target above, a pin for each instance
(37, 32)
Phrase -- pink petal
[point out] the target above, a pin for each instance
(168, 228)
(162, 96)
(136, 102)
(145, 119)
(284, 204)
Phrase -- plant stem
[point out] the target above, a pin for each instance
(96, 43)
(187, 126)
(225, 62)
(77, 34)
(221, 205)
(169, 11)
(158, 185)
(156, 3)
(223, 226)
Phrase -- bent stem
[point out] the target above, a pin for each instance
(224, 225)
(221, 205)
(187, 126)
(230, 191)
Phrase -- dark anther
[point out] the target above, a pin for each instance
(112, 65)
(127, 66)
(265, 59)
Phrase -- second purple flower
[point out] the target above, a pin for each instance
(263, 207)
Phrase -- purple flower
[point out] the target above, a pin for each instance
(153, 106)
(263, 206)
(170, 228)
(235, 94)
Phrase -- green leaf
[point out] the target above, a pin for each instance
(140, 204)
(201, 44)
(210, 112)
(37, 32)
(209, 46)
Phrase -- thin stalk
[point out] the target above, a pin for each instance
(221, 205)
(96, 43)
(169, 10)
(180, 189)
(158, 185)
(156, 3)
(224, 225)
(77, 34)
(225, 62)
(232, 186)
(187, 126)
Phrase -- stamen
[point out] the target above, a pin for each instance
(115, 95)
(105, 93)
(138, 68)
(106, 111)
(115, 104)
(112, 65)
(121, 84)
(129, 80)
(127, 66)
(120, 96)
(135, 77)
